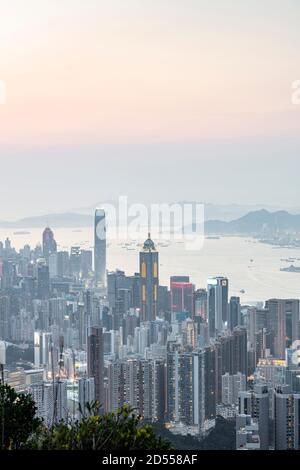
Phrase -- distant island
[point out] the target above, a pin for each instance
(63, 220)
(257, 223)
(22, 232)
(279, 228)
(291, 269)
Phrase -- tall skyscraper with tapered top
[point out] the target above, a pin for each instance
(100, 248)
(49, 243)
(149, 280)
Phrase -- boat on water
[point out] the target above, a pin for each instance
(22, 232)
(291, 269)
(163, 244)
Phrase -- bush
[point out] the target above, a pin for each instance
(111, 431)
(122, 430)
(17, 418)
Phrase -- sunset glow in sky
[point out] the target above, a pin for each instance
(145, 69)
(142, 72)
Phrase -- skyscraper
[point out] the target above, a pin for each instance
(86, 393)
(173, 381)
(231, 356)
(256, 404)
(181, 294)
(63, 263)
(185, 387)
(200, 304)
(95, 361)
(43, 281)
(286, 420)
(53, 265)
(217, 288)
(149, 280)
(231, 386)
(75, 261)
(234, 313)
(86, 262)
(42, 349)
(204, 386)
(4, 318)
(283, 324)
(179, 385)
(49, 244)
(100, 248)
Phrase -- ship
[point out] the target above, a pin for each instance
(291, 269)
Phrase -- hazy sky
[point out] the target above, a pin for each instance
(161, 100)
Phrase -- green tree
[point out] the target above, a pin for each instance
(17, 418)
(111, 431)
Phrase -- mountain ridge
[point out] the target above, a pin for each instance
(256, 222)
(253, 222)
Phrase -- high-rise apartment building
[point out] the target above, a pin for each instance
(95, 360)
(286, 420)
(217, 288)
(43, 281)
(256, 404)
(204, 386)
(86, 393)
(200, 304)
(283, 324)
(232, 385)
(234, 313)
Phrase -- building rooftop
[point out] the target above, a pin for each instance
(149, 244)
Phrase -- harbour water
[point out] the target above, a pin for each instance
(252, 267)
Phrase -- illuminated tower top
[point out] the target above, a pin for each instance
(149, 244)
(149, 280)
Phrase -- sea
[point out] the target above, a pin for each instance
(252, 267)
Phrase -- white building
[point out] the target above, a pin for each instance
(86, 393)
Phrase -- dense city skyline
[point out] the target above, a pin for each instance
(149, 228)
(183, 355)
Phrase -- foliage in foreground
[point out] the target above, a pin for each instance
(111, 431)
(17, 418)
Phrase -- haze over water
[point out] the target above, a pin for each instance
(229, 256)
